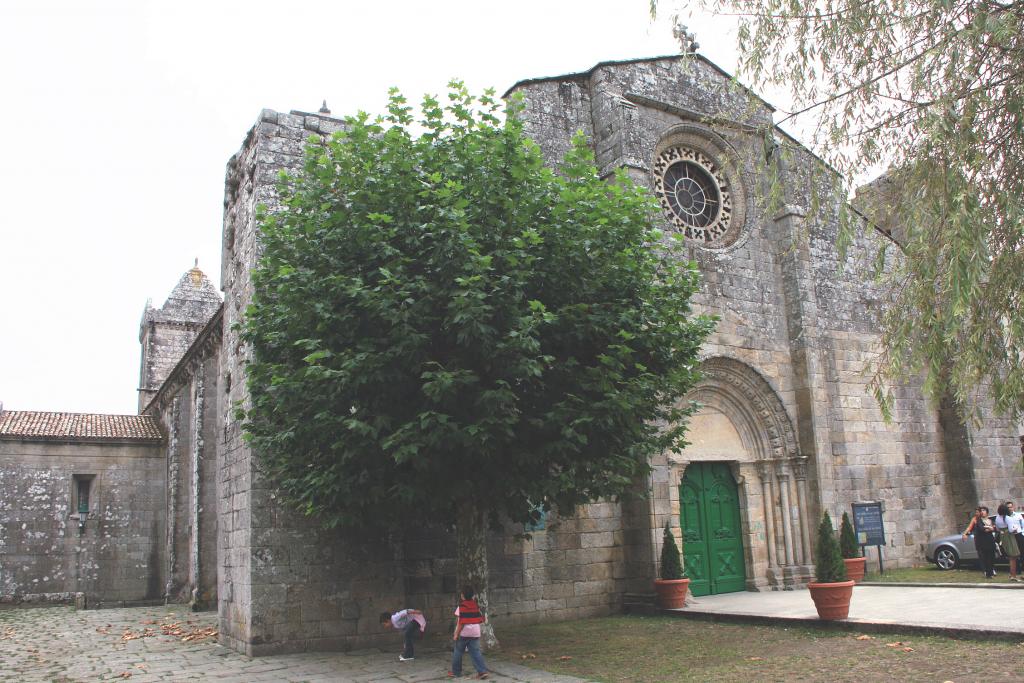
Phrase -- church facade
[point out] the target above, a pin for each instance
(787, 428)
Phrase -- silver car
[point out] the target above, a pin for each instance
(950, 552)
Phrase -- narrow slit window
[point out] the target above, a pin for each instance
(82, 493)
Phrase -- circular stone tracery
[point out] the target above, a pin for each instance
(694, 192)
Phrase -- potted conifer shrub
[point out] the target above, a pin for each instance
(673, 584)
(832, 590)
(850, 550)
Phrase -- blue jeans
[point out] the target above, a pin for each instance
(461, 645)
(412, 630)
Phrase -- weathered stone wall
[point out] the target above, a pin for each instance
(553, 112)
(574, 568)
(187, 406)
(786, 310)
(636, 108)
(163, 345)
(283, 584)
(118, 558)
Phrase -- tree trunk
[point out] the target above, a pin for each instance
(471, 558)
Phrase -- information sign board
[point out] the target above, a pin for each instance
(867, 523)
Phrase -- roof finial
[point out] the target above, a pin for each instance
(195, 274)
(324, 109)
(688, 44)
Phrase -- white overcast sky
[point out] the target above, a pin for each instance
(118, 119)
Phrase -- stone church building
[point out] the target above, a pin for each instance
(168, 505)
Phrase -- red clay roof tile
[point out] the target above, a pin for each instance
(33, 425)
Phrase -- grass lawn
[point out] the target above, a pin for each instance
(648, 649)
(932, 574)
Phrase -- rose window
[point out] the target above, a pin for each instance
(694, 193)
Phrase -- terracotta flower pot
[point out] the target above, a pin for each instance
(832, 600)
(855, 568)
(671, 592)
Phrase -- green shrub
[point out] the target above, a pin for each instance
(671, 564)
(848, 545)
(828, 561)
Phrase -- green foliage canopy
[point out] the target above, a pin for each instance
(933, 89)
(441, 321)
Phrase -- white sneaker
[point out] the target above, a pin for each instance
(403, 658)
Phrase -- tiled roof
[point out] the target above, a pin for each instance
(32, 425)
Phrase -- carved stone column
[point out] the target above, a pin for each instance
(799, 464)
(782, 476)
(764, 471)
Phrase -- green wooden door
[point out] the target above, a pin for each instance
(709, 508)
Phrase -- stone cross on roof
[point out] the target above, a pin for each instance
(687, 39)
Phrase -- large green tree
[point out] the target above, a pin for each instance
(445, 330)
(933, 89)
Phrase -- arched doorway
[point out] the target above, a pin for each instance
(709, 521)
(742, 451)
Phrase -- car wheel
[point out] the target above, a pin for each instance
(946, 558)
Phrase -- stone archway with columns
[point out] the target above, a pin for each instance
(742, 421)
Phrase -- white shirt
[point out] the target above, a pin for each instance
(1014, 523)
(401, 619)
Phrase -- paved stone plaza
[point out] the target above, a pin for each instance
(172, 644)
(972, 610)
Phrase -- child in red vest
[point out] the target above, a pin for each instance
(467, 635)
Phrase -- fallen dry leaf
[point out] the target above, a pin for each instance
(192, 636)
(125, 674)
(564, 658)
(755, 659)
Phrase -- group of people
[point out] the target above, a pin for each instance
(1003, 533)
(468, 620)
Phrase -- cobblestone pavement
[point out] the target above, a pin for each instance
(145, 644)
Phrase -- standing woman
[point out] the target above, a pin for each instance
(984, 540)
(1007, 539)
